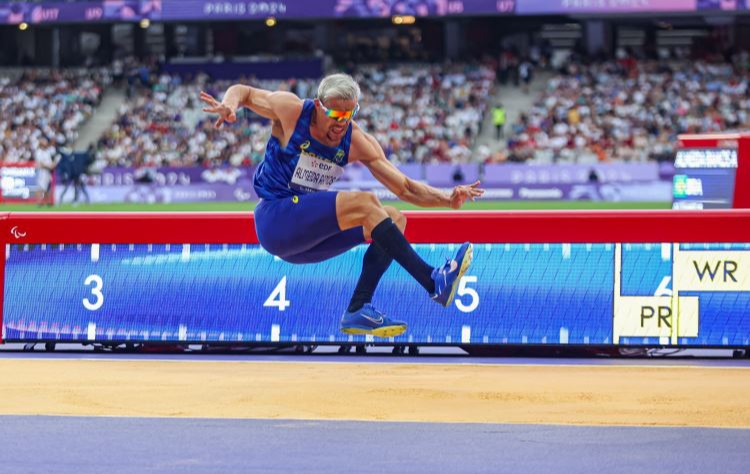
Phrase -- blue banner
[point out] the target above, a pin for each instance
(19, 183)
(598, 294)
(15, 12)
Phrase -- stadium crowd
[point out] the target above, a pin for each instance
(630, 110)
(418, 113)
(425, 113)
(41, 111)
(162, 125)
(624, 110)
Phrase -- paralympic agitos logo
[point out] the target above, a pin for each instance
(17, 233)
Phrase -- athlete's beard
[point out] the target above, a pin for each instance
(328, 131)
(336, 136)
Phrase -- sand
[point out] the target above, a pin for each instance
(649, 395)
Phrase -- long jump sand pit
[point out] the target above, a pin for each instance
(648, 395)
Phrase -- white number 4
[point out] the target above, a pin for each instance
(277, 299)
(471, 292)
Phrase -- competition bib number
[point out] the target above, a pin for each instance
(314, 174)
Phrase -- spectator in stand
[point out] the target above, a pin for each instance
(498, 119)
(525, 71)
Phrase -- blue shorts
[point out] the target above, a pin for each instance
(304, 229)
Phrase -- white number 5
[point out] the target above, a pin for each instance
(96, 291)
(464, 290)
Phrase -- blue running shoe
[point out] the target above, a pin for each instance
(446, 278)
(368, 320)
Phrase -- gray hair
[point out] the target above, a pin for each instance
(338, 86)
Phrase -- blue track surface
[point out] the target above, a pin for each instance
(126, 445)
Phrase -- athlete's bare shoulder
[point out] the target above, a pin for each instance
(283, 108)
(364, 147)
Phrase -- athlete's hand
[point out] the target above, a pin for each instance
(467, 191)
(226, 113)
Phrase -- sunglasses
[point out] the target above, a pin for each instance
(340, 115)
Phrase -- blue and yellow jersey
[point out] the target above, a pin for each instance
(304, 166)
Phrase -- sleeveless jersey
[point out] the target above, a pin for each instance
(304, 166)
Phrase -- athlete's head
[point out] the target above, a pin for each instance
(337, 104)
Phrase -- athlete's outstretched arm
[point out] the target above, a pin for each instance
(279, 106)
(367, 150)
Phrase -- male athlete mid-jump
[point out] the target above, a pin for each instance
(300, 221)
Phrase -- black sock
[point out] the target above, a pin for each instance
(393, 242)
(374, 265)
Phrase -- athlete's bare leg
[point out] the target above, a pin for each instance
(354, 209)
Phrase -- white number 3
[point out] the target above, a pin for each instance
(471, 292)
(96, 291)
